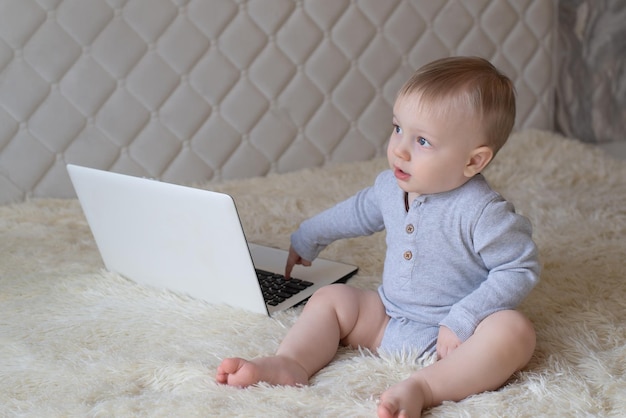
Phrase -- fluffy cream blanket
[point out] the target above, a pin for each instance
(76, 340)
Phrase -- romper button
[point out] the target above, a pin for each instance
(408, 255)
(409, 229)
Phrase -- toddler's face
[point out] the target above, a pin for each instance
(429, 150)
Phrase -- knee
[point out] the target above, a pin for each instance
(524, 329)
(332, 294)
(516, 332)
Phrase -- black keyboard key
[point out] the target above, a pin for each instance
(276, 289)
(295, 286)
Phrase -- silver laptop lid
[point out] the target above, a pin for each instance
(168, 236)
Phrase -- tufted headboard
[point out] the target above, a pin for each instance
(192, 90)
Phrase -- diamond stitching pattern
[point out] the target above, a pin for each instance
(189, 90)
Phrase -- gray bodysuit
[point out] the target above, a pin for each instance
(452, 259)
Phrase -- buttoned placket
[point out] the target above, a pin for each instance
(410, 227)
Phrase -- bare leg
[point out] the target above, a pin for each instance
(334, 314)
(502, 344)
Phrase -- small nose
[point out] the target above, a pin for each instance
(400, 149)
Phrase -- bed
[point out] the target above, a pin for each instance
(76, 340)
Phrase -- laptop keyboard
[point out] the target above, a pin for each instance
(276, 289)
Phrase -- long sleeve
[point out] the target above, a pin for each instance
(359, 215)
(502, 240)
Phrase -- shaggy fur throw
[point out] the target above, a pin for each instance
(76, 340)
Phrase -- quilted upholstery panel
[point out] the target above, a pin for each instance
(190, 90)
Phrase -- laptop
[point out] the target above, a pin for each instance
(191, 241)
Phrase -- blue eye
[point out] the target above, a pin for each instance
(423, 142)
(397, 129)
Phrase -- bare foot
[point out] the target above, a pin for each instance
(405, 399)
(276, 370)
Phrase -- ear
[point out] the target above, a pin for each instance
(478, 159)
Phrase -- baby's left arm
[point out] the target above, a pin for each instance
(503, 240)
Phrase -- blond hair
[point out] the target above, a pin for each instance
(469, 84)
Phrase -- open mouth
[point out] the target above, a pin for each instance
(401, 175)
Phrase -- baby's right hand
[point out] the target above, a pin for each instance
(292, 259)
